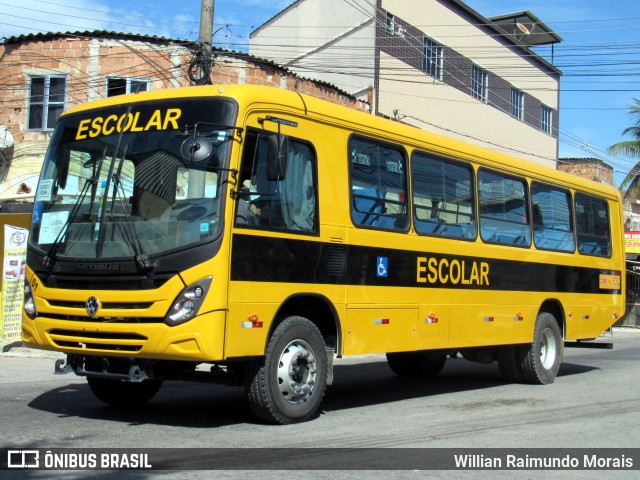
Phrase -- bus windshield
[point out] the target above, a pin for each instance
(133, 180)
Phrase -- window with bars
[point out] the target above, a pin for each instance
(479, 84)
(121, 86)
(517, 103)
(390, 26)
(46, 101)
(546, 117)
(433, 58)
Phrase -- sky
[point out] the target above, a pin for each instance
(599, 55)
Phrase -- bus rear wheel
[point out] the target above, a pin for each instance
(542, 358)
(416, 364)
(288, 384)
(124, 394)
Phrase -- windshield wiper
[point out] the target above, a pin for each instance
(142, 260)
(51, 257)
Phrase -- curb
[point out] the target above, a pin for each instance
(15, 349)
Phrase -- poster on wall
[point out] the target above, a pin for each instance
(13, 273)
(632, 242)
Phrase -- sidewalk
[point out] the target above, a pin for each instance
(15, 349)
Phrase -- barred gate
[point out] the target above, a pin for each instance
(632, 316)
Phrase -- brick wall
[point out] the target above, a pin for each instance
(591, 169)
(88, 62)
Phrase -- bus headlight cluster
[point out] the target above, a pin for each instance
(29, 302)
(188, 303)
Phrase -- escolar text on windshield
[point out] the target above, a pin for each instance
(161, 119)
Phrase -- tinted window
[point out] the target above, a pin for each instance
(592, 225)
(378, 185)
(288, 203)
(442, 197)
(551, 218)
(503, 209)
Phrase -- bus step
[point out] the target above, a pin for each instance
(589, 344)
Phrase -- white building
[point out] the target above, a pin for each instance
(435, 64)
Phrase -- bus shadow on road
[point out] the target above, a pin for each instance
(203, 405)
(374, 383)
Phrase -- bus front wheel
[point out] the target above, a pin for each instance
(288, 384)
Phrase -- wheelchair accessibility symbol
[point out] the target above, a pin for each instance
(383, 266)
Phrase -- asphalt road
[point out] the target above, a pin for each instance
(594, 403)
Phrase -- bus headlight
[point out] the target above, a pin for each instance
(188, 303)
(29, 303)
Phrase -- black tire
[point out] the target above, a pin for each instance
(542, 358)
(288, 384)
(416, 364)
(510, 359)
(124, 394)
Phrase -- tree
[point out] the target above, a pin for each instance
(630, 148)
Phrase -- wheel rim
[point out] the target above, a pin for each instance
(296, 371)
(548, 349)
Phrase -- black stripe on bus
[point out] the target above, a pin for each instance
(285, 260)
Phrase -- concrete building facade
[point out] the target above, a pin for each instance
(434, 64)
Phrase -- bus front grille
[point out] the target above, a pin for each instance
(98, 341)
(79, 318)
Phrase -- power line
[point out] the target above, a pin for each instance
(109, 12)
(617, 69)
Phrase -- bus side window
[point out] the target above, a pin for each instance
(551, 211)
(443, 197)
(289, 203)
(504, 215)
(592, 226)
(378, 185)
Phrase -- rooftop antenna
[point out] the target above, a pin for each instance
(524, 31)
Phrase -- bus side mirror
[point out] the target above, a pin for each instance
(277, 150)
(196, 149)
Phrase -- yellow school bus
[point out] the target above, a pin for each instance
(250, 235)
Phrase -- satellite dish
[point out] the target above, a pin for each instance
(523, 28)
(6, 139)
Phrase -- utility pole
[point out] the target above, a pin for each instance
(206, 22)
(199, 71)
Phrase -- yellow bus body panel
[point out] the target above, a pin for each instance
(238, 316)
